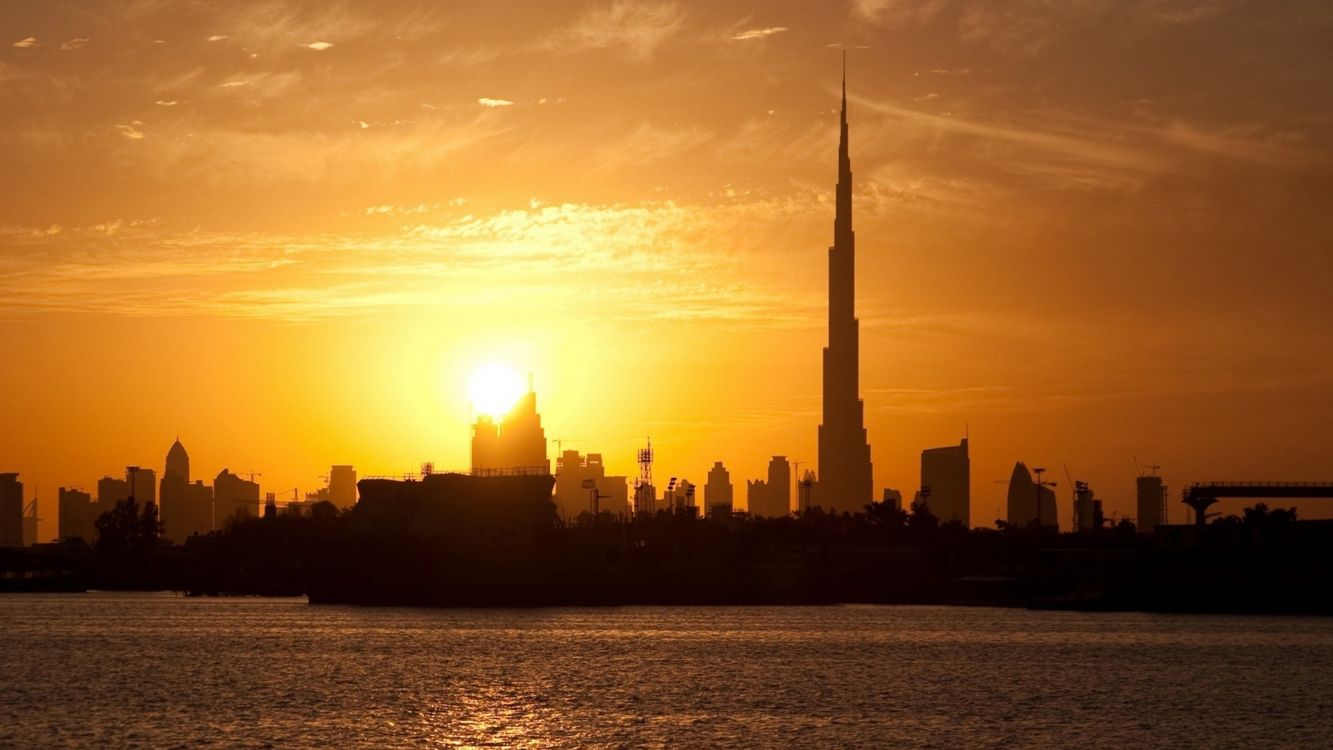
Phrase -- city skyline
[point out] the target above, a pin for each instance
(1061, 272)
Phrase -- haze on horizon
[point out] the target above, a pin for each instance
(289, 232)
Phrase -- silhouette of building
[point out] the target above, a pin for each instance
(573, 495)
(771, 498)
(199, 505)
(948, 473)
(233, 496)
(142, 484)
(1151, 503)
(718, 492)
(111, 491)
(516, 445)
(11, 511)
(174, 492)
(845, 471)
(342, 486)
(1087, 508)
(1029, 504)
(893, 498)
(77, 515)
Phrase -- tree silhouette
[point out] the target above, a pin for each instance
(124, 531)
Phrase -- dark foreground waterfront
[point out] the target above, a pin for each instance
(155, 670)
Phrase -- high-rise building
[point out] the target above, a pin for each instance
(779, 486)
(233, 496)
(845, 472)
(142, 484)
(1151, 503)
(771, 498)
(515, 446)
(174, 493)
(199, 502)
(756, 497)
(342, 486)
(76, 515)
(1087, 509)
(11, 511)
(947, 472)
(1030, 504)
(111, 491)
(718, 491)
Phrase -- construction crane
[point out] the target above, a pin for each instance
(251, 474)
(1039, 470)
(1073, 489)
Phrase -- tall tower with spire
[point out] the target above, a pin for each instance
(845, 482)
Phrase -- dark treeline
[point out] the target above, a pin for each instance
(419, 552)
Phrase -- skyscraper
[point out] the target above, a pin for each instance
(11, 511)
(947, 474)
(76, 515)
(1030, 504)
(717, 491)
(845, 482)
(515, 446)
(342, 486)
(233, 496)
(174, 493)
(1151, 503)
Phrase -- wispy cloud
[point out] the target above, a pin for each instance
(634, 28)
(26, 42)
(131, 131)
(489, 102)
(217, 37)
(318, 46)
(74, 43)
(758, 33)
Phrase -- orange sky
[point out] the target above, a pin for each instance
(290, 231)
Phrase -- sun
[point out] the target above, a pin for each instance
(494, 389)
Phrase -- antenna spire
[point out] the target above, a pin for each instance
(844, 79)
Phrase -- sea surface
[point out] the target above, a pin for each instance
(160, 671)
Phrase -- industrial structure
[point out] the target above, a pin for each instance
(645, 494)
(1201, 496)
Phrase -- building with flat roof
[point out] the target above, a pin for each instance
(948, 473)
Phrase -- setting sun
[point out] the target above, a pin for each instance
(494, 389)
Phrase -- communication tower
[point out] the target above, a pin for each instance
(644, 500)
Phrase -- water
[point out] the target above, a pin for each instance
(102, 670)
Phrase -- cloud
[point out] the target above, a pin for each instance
(131, 131)
(217, 37)
(318, 46)
(170, 103)
(234, 84)
(634, 28)
(26, 43)
(74, 43)
(758, 33)
(898, 13)
(649, 143)
(489, 102)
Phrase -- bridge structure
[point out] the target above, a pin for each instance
(1201, 495)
